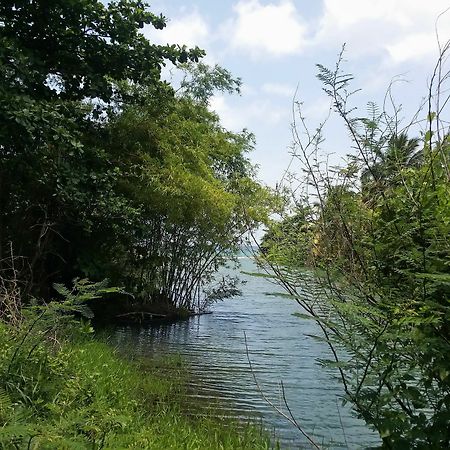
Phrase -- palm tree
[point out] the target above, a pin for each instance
(400, 153)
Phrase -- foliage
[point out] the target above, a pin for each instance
(185, 181)
(60, 388)
(379, 244)
(62, 65)
(289, 239)
(200, 81)
(74, 50)
(105, 171)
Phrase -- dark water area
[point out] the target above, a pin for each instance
(280, 349)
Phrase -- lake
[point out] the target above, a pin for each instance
(280, 349)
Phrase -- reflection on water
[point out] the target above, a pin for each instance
(280, 349)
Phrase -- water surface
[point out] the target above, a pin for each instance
(280, 349)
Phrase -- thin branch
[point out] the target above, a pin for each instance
(289, 417)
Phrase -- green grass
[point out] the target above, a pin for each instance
(77, 393)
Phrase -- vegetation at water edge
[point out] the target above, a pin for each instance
(62, 388)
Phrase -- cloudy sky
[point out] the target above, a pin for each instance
(274, 46)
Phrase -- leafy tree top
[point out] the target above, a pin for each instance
(76, 49)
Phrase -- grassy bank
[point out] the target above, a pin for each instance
(66, 390)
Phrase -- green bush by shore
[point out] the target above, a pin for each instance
(72, 391)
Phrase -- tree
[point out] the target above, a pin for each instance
(288, 242)
(106, 171)
(187, 180)
(385, 170)
(63, 67)
(200, 81)
(81, 49)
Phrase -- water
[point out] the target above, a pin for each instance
(279, 349)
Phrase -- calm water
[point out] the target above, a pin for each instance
(214, 347)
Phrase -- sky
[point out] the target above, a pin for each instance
(274, 46)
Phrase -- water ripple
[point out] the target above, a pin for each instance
(279, 348)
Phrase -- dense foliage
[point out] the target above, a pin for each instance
(375, 233)
(105, 171)
(185, 180)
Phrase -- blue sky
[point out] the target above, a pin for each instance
(273, 45)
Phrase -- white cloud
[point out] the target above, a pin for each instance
(318, 109)
(274, 29)
(413, 46)
(190, 30)
(401, 30)
(252, 114)
(228, 119)
(284, 90)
